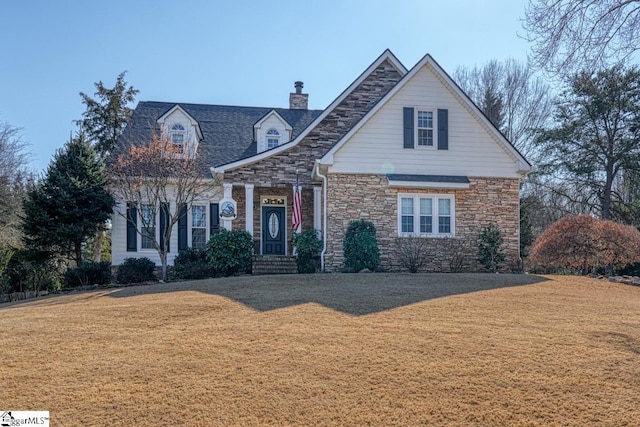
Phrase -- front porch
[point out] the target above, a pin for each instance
(265, 212)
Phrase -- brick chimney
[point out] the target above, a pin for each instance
(299, 100)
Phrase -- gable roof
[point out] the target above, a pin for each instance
(192, 121)
(227, 131)
(523, 164)
(387, 55)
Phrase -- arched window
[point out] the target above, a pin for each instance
(273, 138)
(177, 137)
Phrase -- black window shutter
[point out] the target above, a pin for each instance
(182, 228)
(132, 235)
(408, 127)
(214, 219)
(443, 129)
(164, 220)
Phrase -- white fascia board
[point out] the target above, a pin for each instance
(522, 164)
(426, 184)
(386, 55)
(259, 123)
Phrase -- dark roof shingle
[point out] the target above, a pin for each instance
(227, 130)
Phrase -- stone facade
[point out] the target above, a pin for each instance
(276, 174)
(368, 197)
(280, 170)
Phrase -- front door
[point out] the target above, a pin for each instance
(273, 230)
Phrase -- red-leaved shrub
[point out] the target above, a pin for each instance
(583, 243)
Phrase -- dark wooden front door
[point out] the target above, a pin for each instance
(273, 230)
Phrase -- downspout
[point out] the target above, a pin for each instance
(324, 214)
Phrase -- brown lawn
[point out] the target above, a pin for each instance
(364, 349)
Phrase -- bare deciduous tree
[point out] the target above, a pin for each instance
(525, 100)
(156, 178)
(13, 176)
(569, 35)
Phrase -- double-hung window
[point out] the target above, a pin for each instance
(426, 214)
(273, 138)
(177, 137)
(425, 128)
(198, 227)
(148, 226)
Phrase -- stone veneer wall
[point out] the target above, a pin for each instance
(280, 170)
(487, 200)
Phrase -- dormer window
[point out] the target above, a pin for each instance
(177, 137)
(273, 138)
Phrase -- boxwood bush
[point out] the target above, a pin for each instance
(230, 253)
(307, 246)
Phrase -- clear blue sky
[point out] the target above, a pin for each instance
(225, 52)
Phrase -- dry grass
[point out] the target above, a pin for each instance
(372, 349)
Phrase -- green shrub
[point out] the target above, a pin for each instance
(361, 247)
(136, 270)
(307, 246)
(230, 253)
(490, 248)
(31, 270)
(89, 273)
(191, 264)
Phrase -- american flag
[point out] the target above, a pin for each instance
(296, 218)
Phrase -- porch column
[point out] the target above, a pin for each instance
(298, 188)
(248, 196)
(317, 210)
(228, 190)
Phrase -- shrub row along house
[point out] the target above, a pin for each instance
(404, 149)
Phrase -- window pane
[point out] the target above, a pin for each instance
(426, 206)
(198, 238)
(407, 206)
(444, 206)
(425, 119)
(148, 215)
(407, 223)
(425, 137)
(177, 138)
(272, 142)
(198, 216)
(148, 236)
(444, 224)
(426, 224)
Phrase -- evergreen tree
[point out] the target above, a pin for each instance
(103, 121)
(70, 203)
(597, 138)
(107, 115)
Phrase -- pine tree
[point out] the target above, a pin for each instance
(70, 203)
(107, 115)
